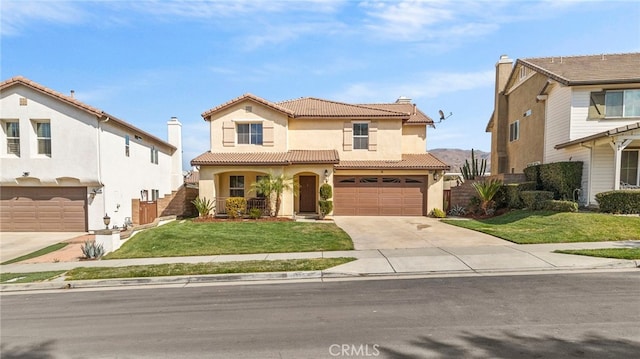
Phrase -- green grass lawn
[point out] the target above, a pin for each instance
(38, 253)
(618, 253)
(187, 238)
(206, 268)
(8, 278)
(527, 227)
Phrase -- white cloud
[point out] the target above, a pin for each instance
(425, 85)
(15, 15)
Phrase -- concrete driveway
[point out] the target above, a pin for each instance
(16, 244)
(410, 232)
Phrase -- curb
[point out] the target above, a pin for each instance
(288, 276)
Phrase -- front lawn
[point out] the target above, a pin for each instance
(187, 238)
(617, 253)
(174, 269)
(6, 278)
(528, 227)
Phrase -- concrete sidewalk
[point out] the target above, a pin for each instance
(473, 259)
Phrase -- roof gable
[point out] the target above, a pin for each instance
(585, 70)
(23, 81)
(250, 97)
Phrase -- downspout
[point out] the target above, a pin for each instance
(103, 119)
(590, 173)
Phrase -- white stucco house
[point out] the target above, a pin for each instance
(65, 164)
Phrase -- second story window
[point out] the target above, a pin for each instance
(126, 145)
(622, 103)
(13, 138)
(249, 133)
(43, 132)
(154, 155)
(514, 131)
(360, 136)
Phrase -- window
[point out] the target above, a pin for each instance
(13, 138)
(629, 168)
(514, 131)
(523, 72)
(236, 186)
(43, 133)
(154, 155)
(250, 133)
(618, 103)
(360, 136)
(126, 145)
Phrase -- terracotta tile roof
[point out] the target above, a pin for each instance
(266, 158)
(311, 107)
(409, 161)
(612, 132)
(193, 177)
(588, 70)
(244, 97)
(19, 80)
(415, 115)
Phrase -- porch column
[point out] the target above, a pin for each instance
(618, 145)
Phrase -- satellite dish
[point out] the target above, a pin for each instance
(441, 115)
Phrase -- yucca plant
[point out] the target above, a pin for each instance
(486, 191)
(203, 205)
(91, 250)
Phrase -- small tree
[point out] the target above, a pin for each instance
(326, 206)
(265, 187)
(486, 191)
(273, 187)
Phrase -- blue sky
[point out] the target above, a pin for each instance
(145, 61)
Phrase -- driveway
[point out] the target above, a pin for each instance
(16, 244)
(410, 232)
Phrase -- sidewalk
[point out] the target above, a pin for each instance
(436, 260)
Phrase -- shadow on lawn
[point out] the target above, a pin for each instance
(518, 346)
(42, 350)
(515, 216)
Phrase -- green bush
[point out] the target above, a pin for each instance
(203, 205)
(534, 200)
(325, 207)
(561, 178)
(509, 195)
(623, 201)
(255, 213)
(560, 206)
(438, 213)
(235, 206)
(326, 191)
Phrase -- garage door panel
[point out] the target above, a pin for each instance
(43, 209)
(388, 196)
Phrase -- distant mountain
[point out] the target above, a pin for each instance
(455, 157)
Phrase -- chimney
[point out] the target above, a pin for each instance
(503, 70)
(174, 128)
(403, 99)
(73, 94)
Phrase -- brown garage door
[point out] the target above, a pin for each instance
(43, 209)
(379, 196)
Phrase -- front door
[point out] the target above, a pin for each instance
(307, 194)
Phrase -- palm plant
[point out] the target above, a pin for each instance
(280, 184)
(265, 187)
(203, 205)
(486, 191)
(273, 187)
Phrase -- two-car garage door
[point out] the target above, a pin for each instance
(379, 195)
(43, 209)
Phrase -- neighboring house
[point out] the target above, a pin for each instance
(374, 155)
(573, 108)
(66, 164)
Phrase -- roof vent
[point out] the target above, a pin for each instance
(403, 99)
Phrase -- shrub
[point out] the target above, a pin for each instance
(623, 201)
(560, 206)
(255, 213)
(532, 173)
(534, 200)
(203, 205)
(326, 191)
(235, 206)
(91, 250)
(325, 207)
(486, 191)
(561, 178)
(438, 213)
(458, 211)
(509, 195)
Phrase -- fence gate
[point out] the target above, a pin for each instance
(148, 211)
(447, 200)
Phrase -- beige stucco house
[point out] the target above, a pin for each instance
(65, 164)
(570, 108)
(374, 155)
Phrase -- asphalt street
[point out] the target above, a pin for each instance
(594, 315)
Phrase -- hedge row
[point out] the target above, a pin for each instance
(561, 178)
(623, 201)
(509, 194)
(535, 200)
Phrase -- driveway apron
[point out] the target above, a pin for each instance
(410, 232)
(16, 244)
